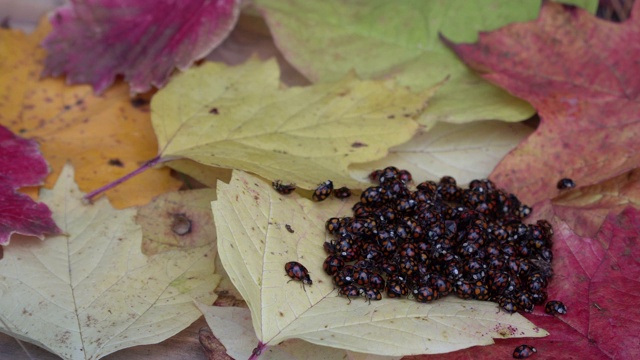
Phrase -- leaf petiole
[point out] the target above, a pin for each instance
(148, 164)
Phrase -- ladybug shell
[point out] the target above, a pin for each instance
(523, 351)
(555, 307)
(323, 191)
(297, 271)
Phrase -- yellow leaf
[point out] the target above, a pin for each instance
(466, 152)
(232, 326)
(238, 117)
(254, 243)
(93, 292)
(104, 137)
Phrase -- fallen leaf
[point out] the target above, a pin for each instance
(177, 220)
(379, 39)
(588, 109)
(596, 278)
(236, 117)
(22, 165)
(92, 292)
(94, 40)
(105, 137)
(464, 151)
(232, 325)
(602, 200)
(254, 245)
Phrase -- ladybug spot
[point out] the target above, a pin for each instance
(181, 224)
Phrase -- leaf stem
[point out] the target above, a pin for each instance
(257, 351)
(148, 164)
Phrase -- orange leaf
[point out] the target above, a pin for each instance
(105, 137)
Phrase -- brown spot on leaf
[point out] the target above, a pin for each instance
(358, 144)
(289, 229)
(181, 224)
(115, 162)
(214, 111)
(139, 102)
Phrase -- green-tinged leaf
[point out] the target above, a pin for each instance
(238, 117)
(464, 151)
(379, 39)
(92, 292)
(254, 243)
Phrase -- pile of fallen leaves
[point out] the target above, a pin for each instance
(438, 88)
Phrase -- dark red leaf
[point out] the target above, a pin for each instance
(22, 165)
(19, 214)
(15, 153)
(144, 40)
(580, 73)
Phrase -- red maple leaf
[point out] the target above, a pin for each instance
(22, 165)
(144, 40)
(581, 75)
(597, 279)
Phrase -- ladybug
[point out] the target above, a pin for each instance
(350, 291)
(371, 195)
(332, 264)
(283, 188)
(374, 176)
(507, 304)
(405, 176)
(323, 191)
(555, 307)
(464, 289)
(388, 173)
(524, 351)
(333, 225)
(565, 183)
(372, 294)
(342, 193)
(376, 281)
(344, 276)
(297, 271)
(425, 294)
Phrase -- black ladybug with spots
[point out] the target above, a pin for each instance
(565, 183)
(297, 271)
(554, 307)
(323, 191)
(524, 351)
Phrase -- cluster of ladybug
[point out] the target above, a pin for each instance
(440, 239)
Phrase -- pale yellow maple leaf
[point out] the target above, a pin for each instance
(254, 243)
(239, 117)
(464, 151)
(92, 292)
(232, 326)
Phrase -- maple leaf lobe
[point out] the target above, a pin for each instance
(144, 40)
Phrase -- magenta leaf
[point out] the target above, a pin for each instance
(22, 165)
(15, 154)
(94, 40)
